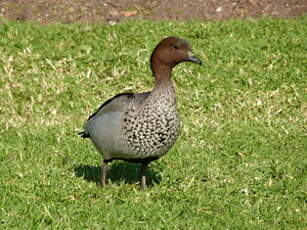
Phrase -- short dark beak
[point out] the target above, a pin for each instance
(193, 58)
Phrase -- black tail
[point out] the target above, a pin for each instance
(84, 135)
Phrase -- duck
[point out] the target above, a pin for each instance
(141, 127)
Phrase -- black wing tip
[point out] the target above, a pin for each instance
(84, 135)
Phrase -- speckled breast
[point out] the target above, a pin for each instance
(152, 130)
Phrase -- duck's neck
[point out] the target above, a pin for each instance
(163, 90)
(164, 86)
(162, 75)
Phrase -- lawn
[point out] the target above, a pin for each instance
(239, 163)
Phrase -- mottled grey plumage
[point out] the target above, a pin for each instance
(152, 126)
(141, 127)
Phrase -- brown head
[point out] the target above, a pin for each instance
(168, 53)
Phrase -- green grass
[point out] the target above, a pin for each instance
(239, 163)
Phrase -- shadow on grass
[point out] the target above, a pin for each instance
(118, 171)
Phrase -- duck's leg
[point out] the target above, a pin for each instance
(144, 167)
(104, 171)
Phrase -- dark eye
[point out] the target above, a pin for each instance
(176, 47)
